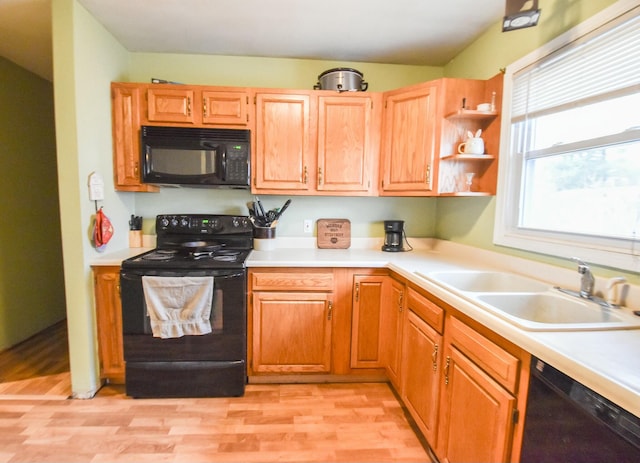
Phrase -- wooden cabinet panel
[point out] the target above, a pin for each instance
(348, 131)
(476, 422)
(291, 332)
(287, 281)
(125, 103)
(421, 373)
(283, 158)
(425, 309)
(394, 329)
(109, 323)
(497, 362)
(370, 293)
(225, 108)
(171, 105)
(410, 140)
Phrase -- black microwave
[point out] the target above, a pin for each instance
(196, 157)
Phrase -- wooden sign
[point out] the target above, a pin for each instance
(334, 233)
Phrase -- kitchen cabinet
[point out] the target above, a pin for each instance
(456, 123)
(423, 126)
(283, 158)
(196, 105)
(290, 321)
(109, 322)
(125, 103)
(395, 329)
(409, 141)
(348, 143)
(479, 398)
(316, 142)
(371, 297)
(422, 362)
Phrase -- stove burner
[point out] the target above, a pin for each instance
(225, 258)
(160, 255)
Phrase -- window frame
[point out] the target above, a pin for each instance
(609, 252)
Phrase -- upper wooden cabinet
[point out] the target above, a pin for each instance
(314, 142)
(195, 105)
(423, 126)
(125, 104)
(348, 143)
(409, 141)
(319, 142)
(283, 158)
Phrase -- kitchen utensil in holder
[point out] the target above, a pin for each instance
(264, 238)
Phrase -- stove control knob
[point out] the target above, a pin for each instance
(235, 222)
(164, 222)
(184, 223)
(174, 222)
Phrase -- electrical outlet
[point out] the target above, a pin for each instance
(308, 226)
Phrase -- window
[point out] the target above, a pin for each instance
(569, 183)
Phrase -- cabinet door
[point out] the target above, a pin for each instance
(171, 105)
(225, 108)
(476, 421)
(370, 294)
(394, 329)
(283, 158)
(109, 323)
(346, 144)
(125, 111)
(410, 140)
(421, 373)
(291, 332)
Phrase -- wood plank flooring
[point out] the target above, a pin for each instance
(271, 423)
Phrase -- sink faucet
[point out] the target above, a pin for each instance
(586, 280)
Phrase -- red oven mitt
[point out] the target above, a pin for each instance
(102, 230)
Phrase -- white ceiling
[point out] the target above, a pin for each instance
(418, 32)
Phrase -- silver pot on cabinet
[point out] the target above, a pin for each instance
(341, 80)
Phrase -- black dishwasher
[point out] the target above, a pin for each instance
(566, 421)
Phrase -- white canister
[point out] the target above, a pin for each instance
(471, 146)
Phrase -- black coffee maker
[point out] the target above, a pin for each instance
(393, 234)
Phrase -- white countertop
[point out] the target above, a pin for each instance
(606, 361)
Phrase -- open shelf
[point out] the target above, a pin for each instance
(471, 114)
(468, 157)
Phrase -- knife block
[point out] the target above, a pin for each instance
(135, 238)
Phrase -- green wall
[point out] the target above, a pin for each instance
(86, 60)
(31, 284)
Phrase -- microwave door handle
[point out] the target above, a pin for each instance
(223, 157)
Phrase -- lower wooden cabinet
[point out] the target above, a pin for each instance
(109, 322)
(290, 321)
(291, 332)
(395, 308)
(422, 365)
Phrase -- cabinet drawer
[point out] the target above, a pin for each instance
(427, 310)
(306, 281)
(498, 363)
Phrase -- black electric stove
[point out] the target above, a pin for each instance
(197, 241)
(205, 364)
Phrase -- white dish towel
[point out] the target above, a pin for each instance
(178, 306)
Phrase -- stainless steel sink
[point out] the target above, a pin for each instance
(486, 281)
(550, 311)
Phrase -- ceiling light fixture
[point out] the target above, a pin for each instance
(517, 17)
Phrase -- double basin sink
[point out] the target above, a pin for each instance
(531, 304)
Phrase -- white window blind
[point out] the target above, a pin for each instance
(582, 70)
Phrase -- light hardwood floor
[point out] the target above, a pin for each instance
(271, 423)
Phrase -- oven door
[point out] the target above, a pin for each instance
(227, 340)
